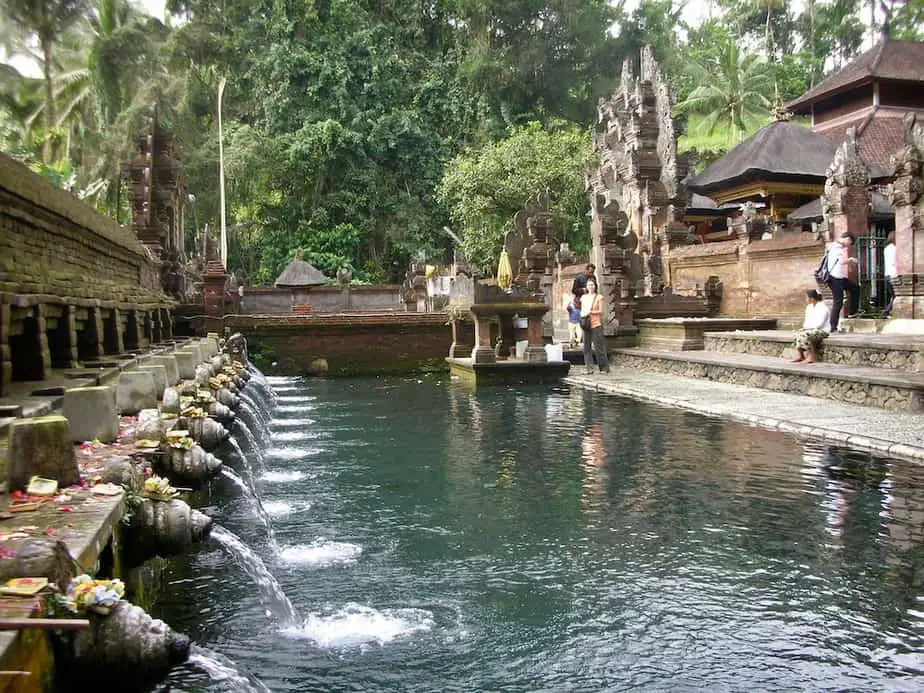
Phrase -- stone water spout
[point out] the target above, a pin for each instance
(228, 398)
(191, 467)
(220, 413)
(123, 651)
(164, 528)
(205, 431)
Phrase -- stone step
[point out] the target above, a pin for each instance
(872, 387)
(888, 352)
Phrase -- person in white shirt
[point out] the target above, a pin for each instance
(889, 261)
(814, 330)
(838, 262)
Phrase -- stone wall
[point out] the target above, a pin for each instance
(346, 344)
(261, 300)
(74, 285)
(767, 277)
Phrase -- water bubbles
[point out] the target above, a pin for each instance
(282, 477)
(355, 625)
(321, 553)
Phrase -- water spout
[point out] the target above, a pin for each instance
(270, 591)
(254, 499)
(223, 671)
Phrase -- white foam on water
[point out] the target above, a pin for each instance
(321, 553)
(355, 625)
(293, 407)
(294, 436)
(296, 399)
(287, 423)
(282, 477)
(292, 453)
(281, 379)
(280, 508)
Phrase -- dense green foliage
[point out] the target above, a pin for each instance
(360, 130)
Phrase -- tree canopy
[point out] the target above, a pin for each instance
(359, 130)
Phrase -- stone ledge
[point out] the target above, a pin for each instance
(864, 386)
(733, 412)
(891, 353)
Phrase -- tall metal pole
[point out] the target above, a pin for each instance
(221, 177)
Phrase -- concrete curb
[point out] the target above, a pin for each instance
(881, 446)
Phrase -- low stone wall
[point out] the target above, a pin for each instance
(74, 285)
(766, 277)
(263, 300)
(345, 344)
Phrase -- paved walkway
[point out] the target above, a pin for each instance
(895, 434)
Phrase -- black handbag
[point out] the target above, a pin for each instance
(585, 322)
(823, 274)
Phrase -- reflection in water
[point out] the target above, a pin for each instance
(528, 539)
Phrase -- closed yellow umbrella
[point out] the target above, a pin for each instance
(504, 272)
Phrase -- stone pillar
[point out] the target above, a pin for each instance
(845, 202)
(535, 349)
(906, 193)
(131, 335)
(6, 359)
(213, 290)
(91, 413)
(619, 267)
(90, 338)
(61, 333)
(112, 333)
(44, 351)
(483, 351)
(41, 447)
(463, 338)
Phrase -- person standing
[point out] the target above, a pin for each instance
(889, 261)
(592, 323)
(579, 286)
(814, 328)
(574, 321)
(838, 261)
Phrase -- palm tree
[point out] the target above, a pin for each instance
(47, 20)
(731, 92)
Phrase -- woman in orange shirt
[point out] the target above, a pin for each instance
(592, 323)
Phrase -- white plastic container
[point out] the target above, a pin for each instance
(553, 352)
(521, 348)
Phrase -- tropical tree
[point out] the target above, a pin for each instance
(47, 20)
(731, 92)
(483, 188)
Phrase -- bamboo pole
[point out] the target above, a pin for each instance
(44, 623)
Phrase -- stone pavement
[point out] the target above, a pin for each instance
(896, 434)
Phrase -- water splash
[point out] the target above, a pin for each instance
(255, 503)
(283, 477)
(223, 671)
(355, 625)
(270, 591)
(252, 443)
(256, 413)
(321, 553)
(281, 508)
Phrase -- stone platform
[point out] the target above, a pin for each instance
(510, 372)
(687, 334)
(893, 434)
(895, 352)
(877, 387)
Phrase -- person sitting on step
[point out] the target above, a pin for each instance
(815, 328)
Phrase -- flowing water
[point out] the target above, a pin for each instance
(223, 672)
(274, 599)
(252, 444)
(527, 539)
(254, 501)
